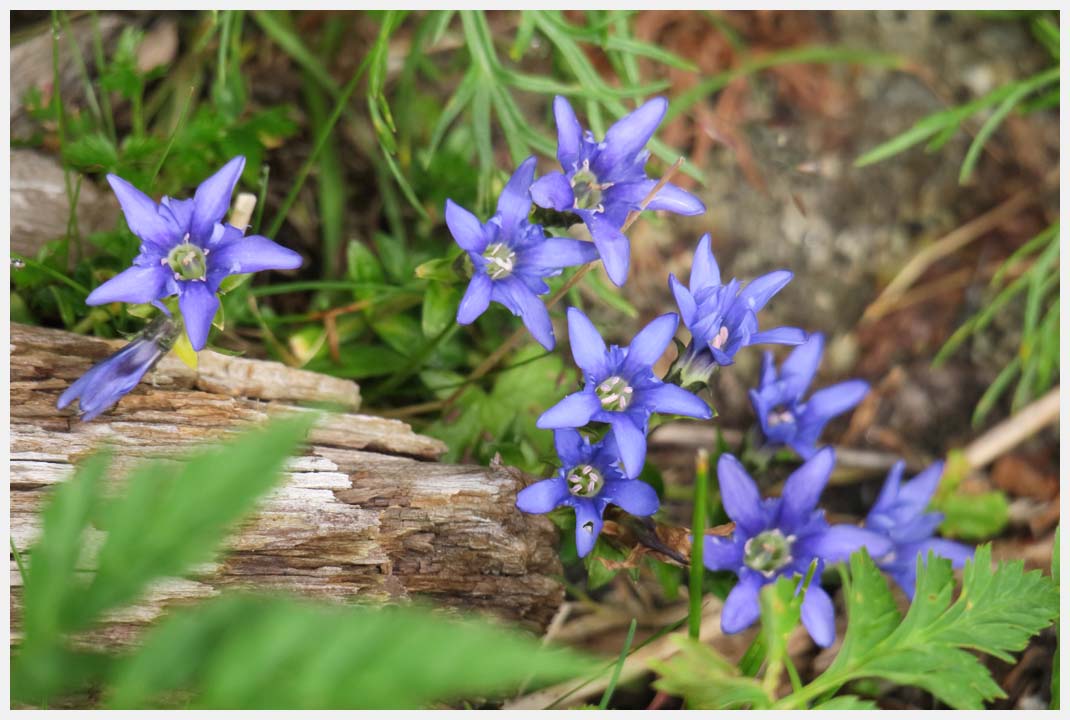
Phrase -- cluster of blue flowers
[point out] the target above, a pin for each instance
(186, 251)
(600, 430)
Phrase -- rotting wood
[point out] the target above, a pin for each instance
(365, 513)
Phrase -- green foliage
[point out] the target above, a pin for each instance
(933, 646)
(706, 679)
(248, 652)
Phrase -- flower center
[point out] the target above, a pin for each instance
(585, 481)
(500, 260)
(718, 342)
(586, 188)
(768, 552)
(614, 393)
(780, 415)
(187, 260)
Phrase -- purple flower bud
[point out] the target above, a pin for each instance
(107, 381)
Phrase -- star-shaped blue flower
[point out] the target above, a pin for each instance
(899, 514)
(723, 318)
(785, 418)
(620, 386)
(590, 478)
(781, 537)
(187, 250)
(115, 376)
(511, 256)
(604, 181)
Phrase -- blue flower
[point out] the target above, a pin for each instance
(899, 514)
(785, 418)
(115, 376)
(620, 386)
(511, 256)
(781, 537)
(723, 318)
(604, 181)
(187, 250)
(590, 478)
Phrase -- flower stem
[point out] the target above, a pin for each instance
(698, 531)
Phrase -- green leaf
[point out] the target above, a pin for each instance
(933, 647)
(171, 516)
(1055, 663)
(439, 308)
(52, 590)
(847, 702)
(276, 25)
(91, 153)
(973, 517)
(781, 610)
(706, 680)
(248, 652)
(658, 54)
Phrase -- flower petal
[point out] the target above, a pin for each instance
(177, 212)
(542, 497)
(588, 524)
(760, 289)
(803, 488)
(465, 227)
(136, 284)
(560, 252)
(778, 336)
(684, 300)
(554, 191)
(571, 448)
(569, 133)
(801, 364)
(253, 253)
(198, 305)
(514, 204)
(476, 299)
(669, 399)
(629, 135)
(739, 495)
(675, 199)
(631, 441)
(917, 493)
(741, 606)
(889, 494)
(588, 348)
(634, 496)
(212, 199)
(573, 410)
(818, 615)
(839, 541)
(720, 553)
(836, 399)
(957, 553)
(142, 216)
(523, 302)
(613, 246)
(704, 269)
(650, 343)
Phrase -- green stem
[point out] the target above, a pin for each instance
(698, 531)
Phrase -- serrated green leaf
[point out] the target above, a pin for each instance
(846, 702)
(249, 652)
(996, 613)
(706, 680)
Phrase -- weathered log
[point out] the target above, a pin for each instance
(365, 513)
